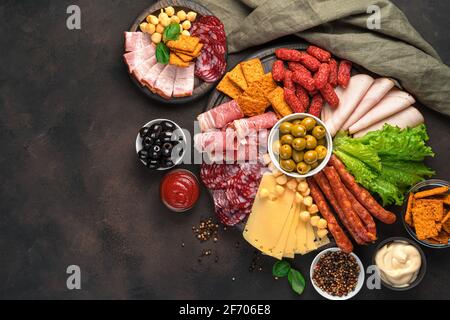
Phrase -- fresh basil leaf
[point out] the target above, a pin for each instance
(162, 53)
(172, 32)
(297, 281)
(281, 269)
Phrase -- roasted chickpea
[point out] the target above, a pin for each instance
(186, 33)
(311, 142)
(159, 28)
(297, 156)
(162, 15)
(182, 15)
(156, 38)
(165, 22)
(287, 139)
(298, 130)
(285, 127)
(186, 25)
(175, 19)
(288, 165)
(152, 19)
(285, 152)
(170, 11)
(143, 26)
(308, 123)
(310, 156)
(321, 152)
(191, 16)
(151, 28)
(303, 168)
(299, 144)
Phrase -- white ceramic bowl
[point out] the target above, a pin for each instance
(274, 135)
(178, 133)
(328, 296)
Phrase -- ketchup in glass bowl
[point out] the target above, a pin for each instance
(179, 190)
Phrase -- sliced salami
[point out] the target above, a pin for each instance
(210, 20)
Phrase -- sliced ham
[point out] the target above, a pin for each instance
(136, 40)
(150, 77)
(349, 99)
(245, 152)
(253, 124)
(166, 79)
(393, 102)
(376, 92)
(143, 69)
(135, 58)
(184, 81)
(216, 140)
(407, 118)
(220, 116)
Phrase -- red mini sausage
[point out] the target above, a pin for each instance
(304, 80)
(293, 101)
(302, 94)
(319, 53)
(297, 66)
(333, 77)
(362, 212)
(287, 82)
(309, 61)
(339, 235)
(345, 68)
(363, 196)
(278, 70)
(288, 54)
(329, 95)
(316, 105)
(325, 186)
(346, 205)
(321, 76)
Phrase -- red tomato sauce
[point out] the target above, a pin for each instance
(179, 190)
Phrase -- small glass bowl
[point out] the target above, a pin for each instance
(421, 186)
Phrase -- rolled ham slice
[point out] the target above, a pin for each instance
(379, 88)
(253, 124)
(220, 116)
(408, 118)
(216, 141)
(394, 102)
(349, 99)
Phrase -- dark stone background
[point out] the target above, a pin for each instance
(73, 192)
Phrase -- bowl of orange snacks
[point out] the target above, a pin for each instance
(426, 213)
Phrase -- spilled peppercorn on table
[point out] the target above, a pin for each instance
(74, 192)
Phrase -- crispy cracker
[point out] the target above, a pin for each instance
(175, 60)
(442, 237)
(237, 77)
(446, 222)
(446, 199)
(251, 107)
(427, 215)
(183, 56)
(184, 43)
(255, 91)
(194, 53)
(267, 84)
(409, 206)
(431, 192)
(253, 70)
(228, 87)
(276, 98)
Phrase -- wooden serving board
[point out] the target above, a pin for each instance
(200, 87)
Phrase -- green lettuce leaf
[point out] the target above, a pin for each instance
(363, 173)
(413, 167)
(394, 143)
(358, 150)
(400, 178)
(388, 192)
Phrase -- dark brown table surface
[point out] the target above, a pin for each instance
(73, 192)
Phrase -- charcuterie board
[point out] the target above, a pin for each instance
(200, 87)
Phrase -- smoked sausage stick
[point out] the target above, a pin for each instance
(363, 196)
(324, 185)
(346, 205)
(362, 212)
(339, 235)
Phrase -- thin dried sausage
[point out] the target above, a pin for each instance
(362, 212)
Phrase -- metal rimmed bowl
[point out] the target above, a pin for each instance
(274, 135)
(328, 296)
(178, 135)
(423, 267)
(421, 186)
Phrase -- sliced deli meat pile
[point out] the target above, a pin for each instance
(211, 64)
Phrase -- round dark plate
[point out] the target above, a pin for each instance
(200, 87)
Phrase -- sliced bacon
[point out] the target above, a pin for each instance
(184, 81)
(135, 58)
(136, 40)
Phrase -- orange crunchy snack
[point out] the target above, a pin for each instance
(183, 56)
(228, 87)
(409, 206)
(427, 215)
(267, 84)
(255, 91)
(446, 223)
(237, 77)
(253, 70)
(431, 192)
(447, 199)
(175, 60)
(184, 43)
(442, 237)
(276, 98)
(250, 106)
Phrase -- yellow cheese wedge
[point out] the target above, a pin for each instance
(291, 243)
(310, 238)
(278, 250)
(268, 217)
(301, 238)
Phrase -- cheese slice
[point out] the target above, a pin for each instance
(278, 250)
(268, 217)
(310, 238)
(291, 243)
(301, 238)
